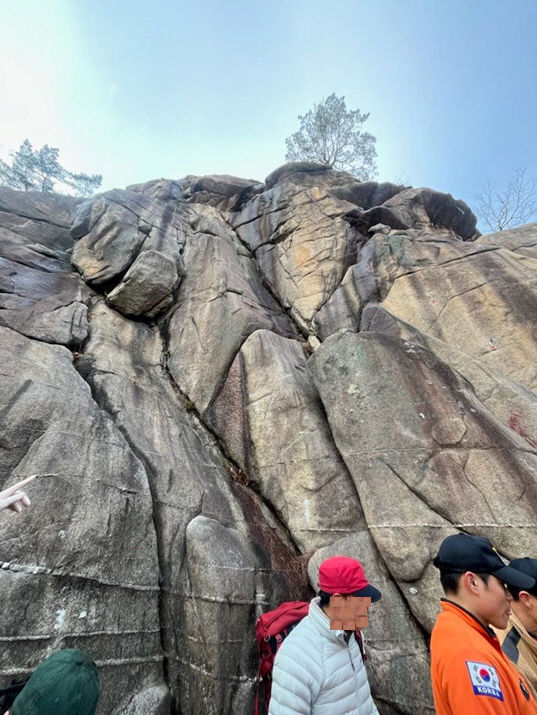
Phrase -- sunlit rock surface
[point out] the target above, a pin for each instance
(220, 382)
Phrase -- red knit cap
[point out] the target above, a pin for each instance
(341, 574)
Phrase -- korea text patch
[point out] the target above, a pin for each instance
(484, 679)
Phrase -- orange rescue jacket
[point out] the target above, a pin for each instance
(470, 672)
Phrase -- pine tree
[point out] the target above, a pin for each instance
(331, 134)
(40, 170)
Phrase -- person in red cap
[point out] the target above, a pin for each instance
(318, 670)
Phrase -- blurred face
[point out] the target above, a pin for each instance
(348, 613)
(494, 602)
(526, 610)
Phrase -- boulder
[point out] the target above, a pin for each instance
(107, 236)
(304, 170)
(161, 189)
(301, 242)
(425, 209)
(228, 193)
(79, 568)
(39, 295)
(270, 418)
(440, 462)
(220, 302)
(129, 245)
(147, 287)
(218, 560)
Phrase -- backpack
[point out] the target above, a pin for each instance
(271, 629)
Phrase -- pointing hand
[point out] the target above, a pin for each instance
(15, 497)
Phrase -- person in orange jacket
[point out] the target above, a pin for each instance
(469, 671)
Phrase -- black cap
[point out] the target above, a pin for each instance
(527, 566)
(466, 552)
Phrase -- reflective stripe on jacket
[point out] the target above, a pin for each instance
(470, 673)
(317, 673)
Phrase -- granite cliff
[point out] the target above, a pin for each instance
(220, 383)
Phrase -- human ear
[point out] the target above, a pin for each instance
(526, 599)
(470, 580)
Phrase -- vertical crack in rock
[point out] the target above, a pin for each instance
(286, 310)
(209, 529)
(100, 398)
(396, 585)
(402, 706)
(290, 243)
(220, 289)
(237, 473)
(268, 414)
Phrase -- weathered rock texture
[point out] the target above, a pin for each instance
(219, 383)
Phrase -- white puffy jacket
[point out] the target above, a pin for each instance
(316, 673)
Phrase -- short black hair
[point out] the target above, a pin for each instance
(325, 598)
(450, 580)
(515, 591)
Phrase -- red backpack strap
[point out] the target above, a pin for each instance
(360, 641)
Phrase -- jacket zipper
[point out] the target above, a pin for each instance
(349, 653)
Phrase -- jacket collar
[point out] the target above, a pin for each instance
(528, 637)
(322, 622)
(461, 612)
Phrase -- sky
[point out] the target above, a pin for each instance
(138, 90)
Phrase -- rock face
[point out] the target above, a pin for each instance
(221, 382)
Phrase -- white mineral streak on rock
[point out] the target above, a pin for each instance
(60, 619)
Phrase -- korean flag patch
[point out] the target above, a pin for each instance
(484, 679)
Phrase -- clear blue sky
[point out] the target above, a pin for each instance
(140, 90)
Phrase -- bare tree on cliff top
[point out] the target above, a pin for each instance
(40, 169)
(514, 205)
(331, 134)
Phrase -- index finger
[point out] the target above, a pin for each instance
(12, 500)
(16, 487)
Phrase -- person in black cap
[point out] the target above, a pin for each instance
(519, 639)
(470, 673)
